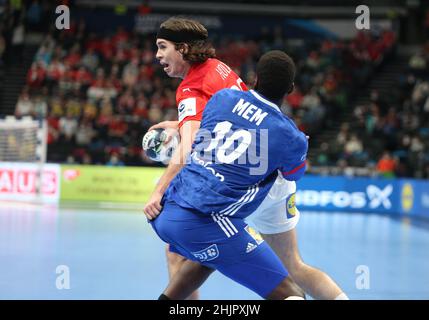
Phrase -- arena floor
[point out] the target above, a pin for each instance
(113, 254)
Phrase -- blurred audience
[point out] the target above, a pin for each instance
(393, 131)
(100, 93)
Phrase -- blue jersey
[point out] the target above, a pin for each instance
(243, 141)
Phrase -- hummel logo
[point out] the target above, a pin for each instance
(250, 247)
(182, 107)
(183, 90)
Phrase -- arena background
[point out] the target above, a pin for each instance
(75, 104)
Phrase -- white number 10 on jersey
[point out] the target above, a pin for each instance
(221, 129)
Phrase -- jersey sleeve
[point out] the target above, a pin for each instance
(196, 92)
(191, 107)
(294, 163)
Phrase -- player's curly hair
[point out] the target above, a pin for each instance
(275, 74)
(197, 51)
(193, 51)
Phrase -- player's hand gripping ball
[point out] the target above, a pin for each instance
(155, 148)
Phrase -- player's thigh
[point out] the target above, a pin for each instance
(259, 270)
(169, 226)
(174, 259)
(223, 243)
(191, 234)
(248, 260)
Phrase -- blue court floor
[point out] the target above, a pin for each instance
(114, 254)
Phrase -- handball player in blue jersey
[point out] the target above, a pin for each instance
(224, 181)
(277, 216)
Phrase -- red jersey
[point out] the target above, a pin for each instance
(200, 84)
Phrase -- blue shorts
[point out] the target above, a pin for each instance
(226, 244)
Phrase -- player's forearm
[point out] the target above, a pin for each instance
(176, 164)
(166, 125)
(173, 124)
(188, 132)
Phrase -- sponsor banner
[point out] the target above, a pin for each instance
(249, 25)
(108, 184)
(393, 196)
(18, 182)
(346, 28)
(414, 197)
(149, 23)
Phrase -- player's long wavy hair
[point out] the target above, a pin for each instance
(193, 51)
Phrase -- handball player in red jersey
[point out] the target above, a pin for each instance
(184, 52)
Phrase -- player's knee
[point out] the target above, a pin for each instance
(173, 257)
(294, 264)
(287, 288)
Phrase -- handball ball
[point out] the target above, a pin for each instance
(155, 148)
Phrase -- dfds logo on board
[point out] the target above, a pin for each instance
(379, 197)
(374, 197)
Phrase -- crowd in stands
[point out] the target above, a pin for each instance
(390, 135)
(17, 16)
(100, 93)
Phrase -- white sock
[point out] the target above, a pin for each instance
(294, 298)
(342, 296)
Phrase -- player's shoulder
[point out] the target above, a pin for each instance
(195, 75)
(289, 125)
(201, 70)
(293, 133)
(217, 74)
(198, 76)
(210, 65)
(228, 93)
(223, 97)
(281, 123)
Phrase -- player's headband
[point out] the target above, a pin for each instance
(179, 36)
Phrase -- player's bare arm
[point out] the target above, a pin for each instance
(166, 125)
(187, 132)
(170, 127)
